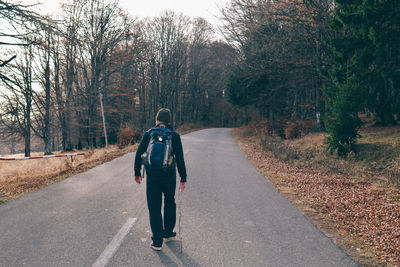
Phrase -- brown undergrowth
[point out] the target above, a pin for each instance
(18, 177)
(355, 201)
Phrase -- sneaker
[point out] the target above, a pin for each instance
(170, 237)
(156, 246)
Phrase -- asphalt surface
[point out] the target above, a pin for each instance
(231, 216)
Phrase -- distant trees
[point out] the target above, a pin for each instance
(301, 58)
(168, 40)
(289, 60)
(186, 69)
(277, 68)
(94, 49)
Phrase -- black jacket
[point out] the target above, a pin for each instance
(177, 152)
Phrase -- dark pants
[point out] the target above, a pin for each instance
(156, 187)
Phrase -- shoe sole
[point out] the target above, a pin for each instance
(156, 248)
(169, 238)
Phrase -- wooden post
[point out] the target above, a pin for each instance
(104, 120)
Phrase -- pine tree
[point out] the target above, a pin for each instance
(342, 121)
(365, 66)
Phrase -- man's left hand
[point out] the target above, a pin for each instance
(138, 179)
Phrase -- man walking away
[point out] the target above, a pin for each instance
(161, 152)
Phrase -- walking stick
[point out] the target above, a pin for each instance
(179, 220)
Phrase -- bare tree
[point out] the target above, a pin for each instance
(65, 57)
(168, 36)
(42, 99)
(102, 27)
(195, 93)
(16, 108)
(125, 105)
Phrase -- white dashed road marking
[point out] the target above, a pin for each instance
(109, 251)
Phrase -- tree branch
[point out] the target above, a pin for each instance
(7, 61)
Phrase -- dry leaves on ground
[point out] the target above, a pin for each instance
(367, 212)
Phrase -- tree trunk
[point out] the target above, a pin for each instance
(67, 109)
(27, 140)
(383, 110)
(12, 148)
(27, 133)
(47, 137)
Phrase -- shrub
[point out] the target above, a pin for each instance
(259, 127)
(296, 129)
(128, 136)
(263, 127)
(137, 136)
(343, 129)
(292, 130)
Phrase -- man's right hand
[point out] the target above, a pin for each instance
(138, 179)
(182, 186)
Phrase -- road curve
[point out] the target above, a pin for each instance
(231, 216)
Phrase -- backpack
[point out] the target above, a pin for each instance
(158, 155)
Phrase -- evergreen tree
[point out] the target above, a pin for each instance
(381, 61)
(342, 121)
(364, 69)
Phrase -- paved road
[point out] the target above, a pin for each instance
(232, 216)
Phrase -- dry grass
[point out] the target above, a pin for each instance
(18, 177)
(377, 155)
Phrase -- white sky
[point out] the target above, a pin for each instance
(207, 9)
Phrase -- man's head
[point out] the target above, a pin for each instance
(164, 116)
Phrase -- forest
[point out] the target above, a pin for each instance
(95, 71)
(320, 60)
(79, 79)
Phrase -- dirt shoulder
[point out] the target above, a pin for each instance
(360, 215)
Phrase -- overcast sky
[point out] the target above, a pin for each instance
(207, 9)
